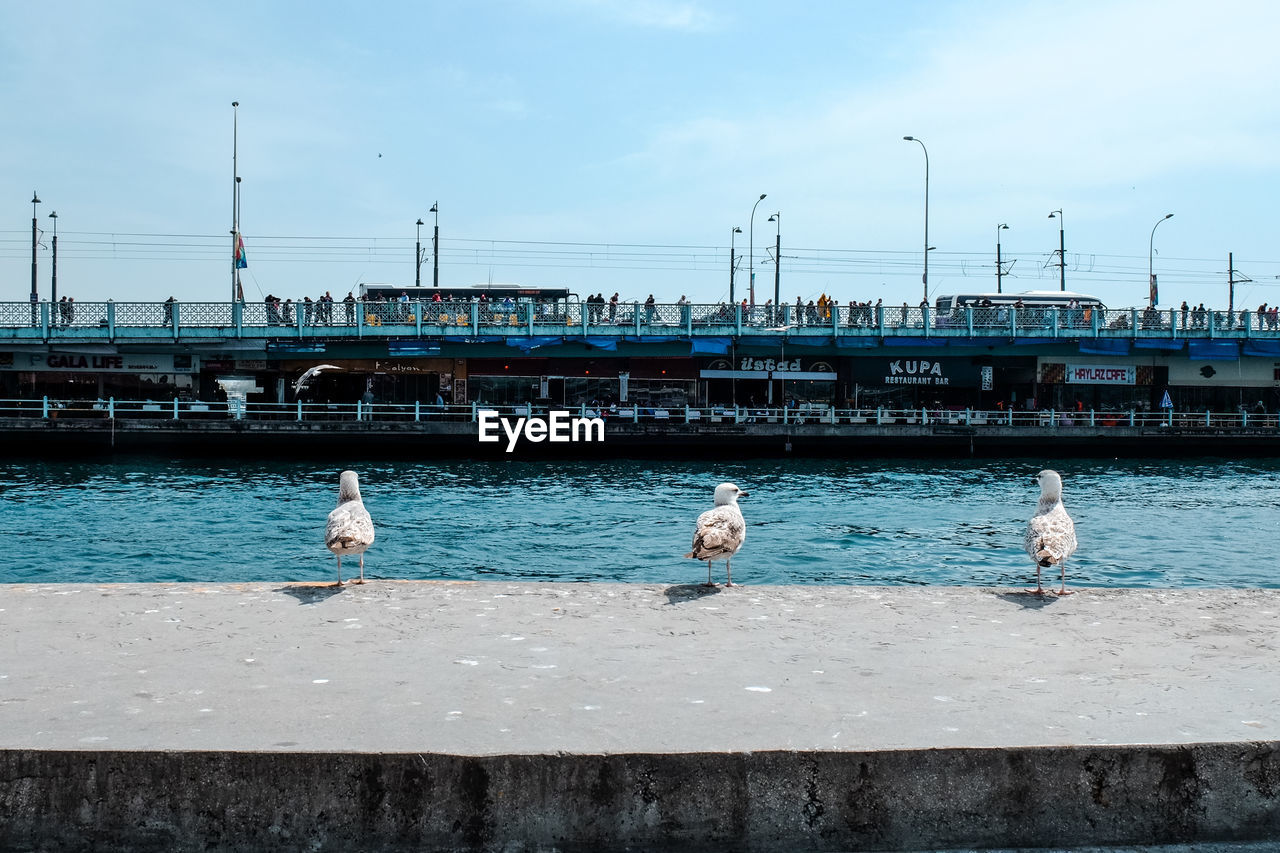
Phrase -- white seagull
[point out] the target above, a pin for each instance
(1051, 535)
(720, 531)
(301, 384)
(350, 529)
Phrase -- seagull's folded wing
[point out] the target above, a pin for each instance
(719, 533)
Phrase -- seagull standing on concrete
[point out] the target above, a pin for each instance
(350, 529)
(720, 531)
(301, 384)
(1051, 535)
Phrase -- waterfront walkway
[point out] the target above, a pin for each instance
(612, 716)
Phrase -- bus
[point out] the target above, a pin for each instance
(1035, 308)
(1029, 299)
(491, 293)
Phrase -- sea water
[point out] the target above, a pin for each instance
(1141, 523)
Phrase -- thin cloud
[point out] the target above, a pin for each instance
(652, 14)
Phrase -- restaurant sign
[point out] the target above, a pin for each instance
(1102, 374)
(926, 372)
(72, 362)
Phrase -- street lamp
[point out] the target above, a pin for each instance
(777, 260)
(417, 257)
(751, 240)
(54, 286)
(999, 267)
(435, 247)
(1062, 249)
(35, 294)
(1154, 293)
(732, 265)
(925, 278)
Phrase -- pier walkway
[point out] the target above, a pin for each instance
(518, 716)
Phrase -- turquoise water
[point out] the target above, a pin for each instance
(1143, 523)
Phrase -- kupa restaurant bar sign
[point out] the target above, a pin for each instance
(1101, 374)
(927, 372)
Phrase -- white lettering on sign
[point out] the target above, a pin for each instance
(1101, 374)
(770, 364)
(557, 427)
(907, 371)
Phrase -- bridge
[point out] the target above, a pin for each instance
(857, 325)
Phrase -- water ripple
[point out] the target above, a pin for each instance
(1147, 523)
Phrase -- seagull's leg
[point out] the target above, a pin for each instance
(728, 567)
(710, 582)
(339, 570)
(1039, 590)
(1064, 590)
(361, 570)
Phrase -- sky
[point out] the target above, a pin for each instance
(614, 146)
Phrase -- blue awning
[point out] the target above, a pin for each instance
(809, 341)
(857, 343)
(533, 343)
(1104, 346)
(601, 342)
(709, 346)
(650, 339)
(1157, 343)
(1262, 349)
(1213, 350)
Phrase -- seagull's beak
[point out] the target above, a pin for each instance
(743, 494)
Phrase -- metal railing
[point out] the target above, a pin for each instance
(115, 320)
(808, 413)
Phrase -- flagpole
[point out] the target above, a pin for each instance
(236, 290)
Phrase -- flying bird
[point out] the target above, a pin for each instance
(720, 531)
(350, 529)
(1051, 535)
(311, 373)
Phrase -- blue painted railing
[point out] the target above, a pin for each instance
(194, 321)
(809, 413)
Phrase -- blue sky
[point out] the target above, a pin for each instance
(612, 146)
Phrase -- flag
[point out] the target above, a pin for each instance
(1155, 291)
(241, 261)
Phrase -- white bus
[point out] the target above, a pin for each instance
(1035, 308)
(1029, 299)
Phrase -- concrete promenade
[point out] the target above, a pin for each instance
(616, 716)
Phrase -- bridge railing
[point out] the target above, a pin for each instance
(809, 413)
(94, 320)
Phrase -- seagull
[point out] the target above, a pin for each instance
(720, 531)
(1051, 535)
(301, 384)
(350, 529)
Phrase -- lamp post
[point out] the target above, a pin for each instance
(777, 261)
(925, 278)
(751, 240)
(435, 247)
(999, 267)
(732, 265)
(1154, 292)
(235, 201)
(35, 293)
(54, 282)
(417, 257)
(1062, 249)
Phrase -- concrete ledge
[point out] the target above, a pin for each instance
(583, 717)
(765, 801)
